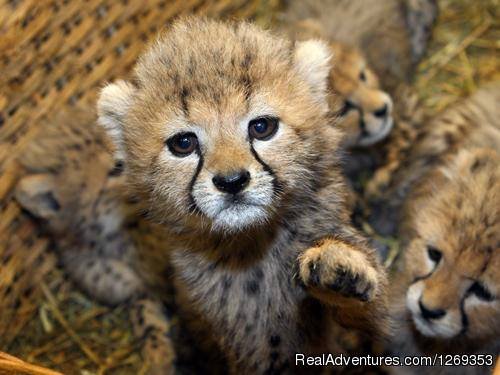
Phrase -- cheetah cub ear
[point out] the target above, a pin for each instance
(114, 102)
(38, 194)
(312, 60)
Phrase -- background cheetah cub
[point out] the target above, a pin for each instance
(450, 286)
(224, 142)
(361, 108)
(75, 187)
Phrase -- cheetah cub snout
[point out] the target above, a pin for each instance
(224, 141)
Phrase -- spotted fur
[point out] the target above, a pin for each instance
(414, 150)
(360, 107)
(392, 34)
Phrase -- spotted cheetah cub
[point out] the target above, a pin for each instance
(469, 123)
(222, 132)
(448, 299)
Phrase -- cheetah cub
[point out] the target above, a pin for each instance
(75, 188)
(360, 107)
(223, 137)
(449, 300)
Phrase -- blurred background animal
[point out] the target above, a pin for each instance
(392, 34)
(445, 293)
(77, 191)
(473, 122)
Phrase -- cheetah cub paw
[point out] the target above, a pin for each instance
(335, 268)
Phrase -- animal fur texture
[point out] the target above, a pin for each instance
(78, 190)
(470, 123)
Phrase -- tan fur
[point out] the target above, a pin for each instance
(234, 260)
(354, 84)
(453, 208)
(235, 284)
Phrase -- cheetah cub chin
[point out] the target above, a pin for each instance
(222, 131)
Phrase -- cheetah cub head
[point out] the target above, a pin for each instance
(455, 256)
(364, 111)
(222, 124)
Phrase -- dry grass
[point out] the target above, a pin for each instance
(463, 53)
(76, 336)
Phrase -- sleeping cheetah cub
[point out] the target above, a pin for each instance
(449, 301)
(73, 185)
(225, 145)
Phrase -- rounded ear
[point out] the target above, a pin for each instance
(312, 60)
(113, 104)
(37, 194)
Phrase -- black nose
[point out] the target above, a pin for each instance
(430, 314)
(381, 112)
(232, 183)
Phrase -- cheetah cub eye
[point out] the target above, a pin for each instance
(263, 128)
(182, 144)
(434, 254)
(362, 76)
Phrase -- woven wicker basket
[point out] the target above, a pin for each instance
(10, 365)
(55, 53)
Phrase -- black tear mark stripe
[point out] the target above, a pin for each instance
(276, 183)
(192, 203)
(266, 167)
(419, 278)
(463, 316)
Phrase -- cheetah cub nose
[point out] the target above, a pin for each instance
(232, 183)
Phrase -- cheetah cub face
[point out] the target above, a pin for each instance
(363, 109)
(455, 257)
(222, 124)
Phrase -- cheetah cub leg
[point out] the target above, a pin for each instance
(334, 269)
(351, 279)
(150, 323)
